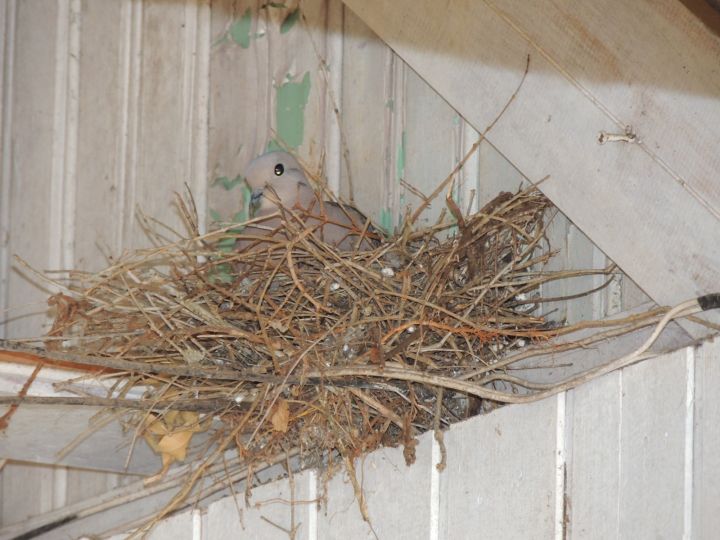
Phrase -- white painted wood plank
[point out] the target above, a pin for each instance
(7, 57)
(62, 185)
(500, 477)
(40, 433)
(552, 126)
(270, 514)
(26, 491)
(30, 169)
(166, 92)
(82, 484)
(177, 527)
(652, 448)
(99, 210)
(706, 496)
(594, 462)
(431, 145)
(371, 114)
(581, 255)
(397, 497)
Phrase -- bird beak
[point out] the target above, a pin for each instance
(255, 197)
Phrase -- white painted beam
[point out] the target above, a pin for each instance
(652, 205)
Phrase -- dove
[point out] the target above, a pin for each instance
(277, 179)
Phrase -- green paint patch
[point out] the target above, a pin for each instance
(215, 215)
(240, 29)
(290, 21)
(226, 183)
(386, 221)
(401, 158)
(292, 98)
(456, 120)
(246, 196)
(221, 273)
(390, 104)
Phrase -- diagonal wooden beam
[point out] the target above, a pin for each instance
(650, 201)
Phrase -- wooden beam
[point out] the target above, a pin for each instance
(652, 205)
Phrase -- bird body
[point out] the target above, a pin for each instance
(278, 182)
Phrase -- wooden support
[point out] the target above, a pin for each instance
(644, 73)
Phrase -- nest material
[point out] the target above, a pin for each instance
(304, 346)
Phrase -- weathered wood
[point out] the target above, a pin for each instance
(372, 121)
(651, 495)
(706, 474)
(100, 135)
(594, 464)
(500, 476)
(650, 205)
(27, 490)
(397, 497)
(274, 509)
(33, 79)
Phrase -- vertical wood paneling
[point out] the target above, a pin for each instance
(99, 132)
(130, 65)
(27, 490)
(397, 497)
(32, 143)
(368, 110)
(178, 527)
(166, 112)
(706, 474)
(431, 143)
(7, 57)
(652, 446)
(594, 464)
(335, 145)
(61, 233)
(271, 514)
(500, 476)
(83, 484)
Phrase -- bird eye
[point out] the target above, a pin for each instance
(279, 169)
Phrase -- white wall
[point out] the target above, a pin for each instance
(630, 455)
(113, 104)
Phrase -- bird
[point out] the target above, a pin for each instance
(277, 180)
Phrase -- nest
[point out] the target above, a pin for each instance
(291, 345)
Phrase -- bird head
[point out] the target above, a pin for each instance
(274, 177)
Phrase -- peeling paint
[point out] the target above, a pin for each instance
(244, 214)
(227, 183)
(240, 29)
(292, 97)
(290, 21)
(401, 158)
(386, 221)
(273, 146)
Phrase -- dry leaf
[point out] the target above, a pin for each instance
(175, 444)
(170, 436)
(281, 416)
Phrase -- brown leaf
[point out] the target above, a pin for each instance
(281, 416)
